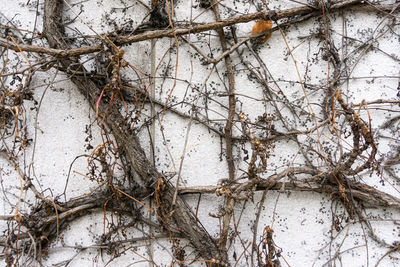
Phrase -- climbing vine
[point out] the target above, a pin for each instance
(283, 99)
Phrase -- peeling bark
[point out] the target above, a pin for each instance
(128, 142)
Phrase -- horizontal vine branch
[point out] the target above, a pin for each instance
(155, 34)
(367, 195)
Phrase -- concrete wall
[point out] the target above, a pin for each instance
(64, 132)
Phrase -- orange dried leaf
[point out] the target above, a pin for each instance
(262, 26)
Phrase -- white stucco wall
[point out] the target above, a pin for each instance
(301, 220)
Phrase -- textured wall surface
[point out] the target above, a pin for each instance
(187, 141)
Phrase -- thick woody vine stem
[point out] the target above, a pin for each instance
(336, 175)
(128, 142)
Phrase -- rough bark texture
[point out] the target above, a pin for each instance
(128, 142)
